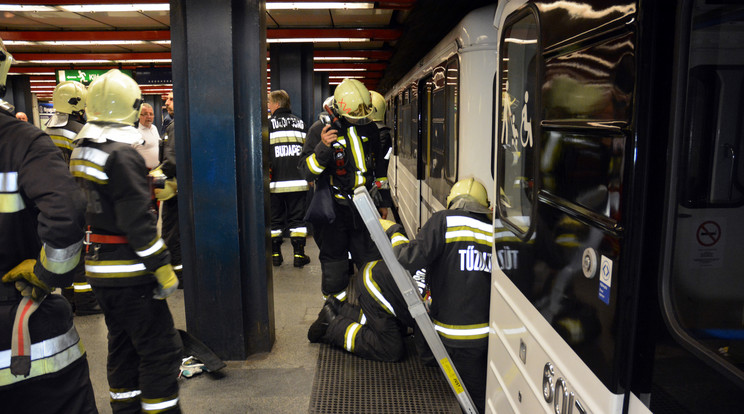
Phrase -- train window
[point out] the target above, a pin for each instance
(517, 124)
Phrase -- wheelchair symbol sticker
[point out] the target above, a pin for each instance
(605, 279)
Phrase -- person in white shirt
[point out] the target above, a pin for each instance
(151, 147)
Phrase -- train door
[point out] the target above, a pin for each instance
(698, 346)
(391, 116)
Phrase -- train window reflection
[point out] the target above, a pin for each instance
(517, 132)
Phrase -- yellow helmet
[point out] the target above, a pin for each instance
(352, 101)
(114, 97)
(6, 59)
(69, 97)
(468, 188)
(380, 107)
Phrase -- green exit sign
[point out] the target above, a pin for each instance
(84, 76)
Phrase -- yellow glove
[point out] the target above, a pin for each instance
(168, 191)
(26, 281)
(167, 281)
(386, 224)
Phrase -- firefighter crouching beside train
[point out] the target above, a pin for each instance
(339, 158)
(43, 366)
(454, 246)
(127, 263)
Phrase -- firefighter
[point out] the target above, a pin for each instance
(374, 329)
(127, 263)
(44, 368)
(386, 142)
(341, 157)
(288, 188)
(68, 119)
(454, 246)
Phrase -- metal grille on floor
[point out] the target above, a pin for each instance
(345, 383)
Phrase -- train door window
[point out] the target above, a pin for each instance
(437, 135)
(705, 293)
(451, 120)
(516, 129)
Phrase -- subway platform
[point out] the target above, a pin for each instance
(296, 376)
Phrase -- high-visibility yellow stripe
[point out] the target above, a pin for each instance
(114, 268)
(313, 165)
(82, 287)
(463, 332)
(288, 186)
(154, 247)
(158, 405)
(62, 142)
(48, 356)
(298, 232)
(397, 239)
(123, 394)
(350, 336)
(62, 260)
(374, 289)
(11, 203)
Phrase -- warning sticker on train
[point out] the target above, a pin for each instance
(707, 248)
(605, 279)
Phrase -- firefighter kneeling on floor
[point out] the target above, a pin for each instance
(454, 246)
(43, 365)
(127, 263)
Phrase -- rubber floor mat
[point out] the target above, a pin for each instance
(345, 383)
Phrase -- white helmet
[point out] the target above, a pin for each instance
(114, 97)
(352, 101)
(380, 106)
(69, 97)
(6, 59)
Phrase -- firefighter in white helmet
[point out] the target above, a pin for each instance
(454, 246)
(69, 108)
(44, 368)
(340, 157)
(127, 262)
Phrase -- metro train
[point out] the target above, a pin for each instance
(609, 134)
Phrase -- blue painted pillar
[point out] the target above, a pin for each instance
(292, 70)
(18, 94)
(219, 73)
(321, 91)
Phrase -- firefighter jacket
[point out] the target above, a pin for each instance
(169, 151)
(348, 163)
(63, 128)
(42, 218)
(454, 247)
(113, 176)
(286, 138)
(41, 207)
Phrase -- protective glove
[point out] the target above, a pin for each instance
(167, 282)
(386, 224)
(26, 281)
(169, 191)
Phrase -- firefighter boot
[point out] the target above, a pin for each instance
(276, 251)
(319, 328)
(300, 258)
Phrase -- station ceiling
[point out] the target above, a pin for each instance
(376, 42)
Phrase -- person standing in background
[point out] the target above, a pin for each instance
(150, 150)
(169, 198)
(21, 116)
(288, 189)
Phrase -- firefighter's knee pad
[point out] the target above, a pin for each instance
(335, 277)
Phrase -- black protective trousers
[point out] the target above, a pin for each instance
(144, 347)
(346, 234)
(288, 210)
(380, 338)
(66, 391)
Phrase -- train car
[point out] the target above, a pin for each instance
(618, 129)
(437, 113)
